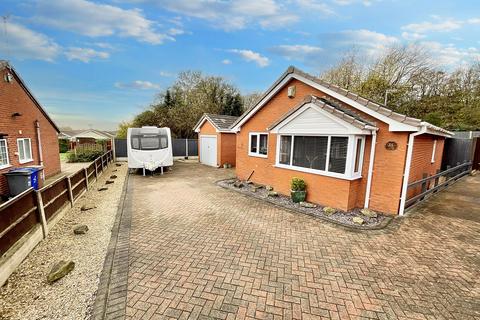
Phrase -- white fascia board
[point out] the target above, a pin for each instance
(197, 128)
(349, 129)
(393, 124)
(438, 133)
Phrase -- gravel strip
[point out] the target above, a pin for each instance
(27, 295)
(341, 217)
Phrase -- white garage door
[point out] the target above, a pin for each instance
(208, 150)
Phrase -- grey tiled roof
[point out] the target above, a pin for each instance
(359, 99)
(221, 122)
(336, 110)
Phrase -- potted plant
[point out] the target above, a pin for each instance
(298, 190)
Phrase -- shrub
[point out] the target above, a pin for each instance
(83, 156)
(63, 145)
(298, 184)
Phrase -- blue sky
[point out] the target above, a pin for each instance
(96, 63)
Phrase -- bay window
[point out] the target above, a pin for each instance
(338, 156)
(258, 145)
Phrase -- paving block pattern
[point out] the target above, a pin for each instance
(198, 251)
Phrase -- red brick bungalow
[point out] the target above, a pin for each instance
(28, 137)
(305, 127)
(216, 140)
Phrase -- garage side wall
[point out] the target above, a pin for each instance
(227, 146)
(422, 158)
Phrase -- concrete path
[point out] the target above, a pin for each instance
(188, 249)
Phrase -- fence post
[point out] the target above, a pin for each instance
(70, 193)
(101, 159)
(435, 184)
(86, 178)
(424, 184)
(41, 213)
(186, 148)
(96, 170)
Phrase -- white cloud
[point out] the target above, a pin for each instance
(98, 20)
(474, 21)
(24, 43)
(413, 36)
(138, 84)
(166, 74)
(226, 61)
(449, 55)
(371, 42)
(249, 55)
(366, 3)
(85, 54)
(175, 31)
(297, 52)
(427, 26)
(313, 5)
(232, 15)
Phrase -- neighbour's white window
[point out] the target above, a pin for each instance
(4, 162)
(258, 145)
(24, 150)
(338, 156)
(434, 149)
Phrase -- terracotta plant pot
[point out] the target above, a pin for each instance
(298, 196)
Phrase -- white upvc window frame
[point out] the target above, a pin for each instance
(23, 140)
(350, 161)
(257, 153)
(5, 165)
(360, 159)
(434, 150)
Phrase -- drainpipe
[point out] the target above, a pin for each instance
(39, 140)
(370, 168)
(408, 163)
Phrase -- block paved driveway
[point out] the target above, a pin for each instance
(198, 251)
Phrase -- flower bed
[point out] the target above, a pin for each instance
(339, 217)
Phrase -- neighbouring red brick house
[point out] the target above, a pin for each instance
(28, 136)
(305, 127)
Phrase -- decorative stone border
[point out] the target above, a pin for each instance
(228, 184)
(111, 296)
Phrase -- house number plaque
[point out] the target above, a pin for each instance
(391, 145)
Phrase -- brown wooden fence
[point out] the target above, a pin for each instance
(32, 208)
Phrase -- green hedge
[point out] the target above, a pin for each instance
(83, 156)
(64, 145)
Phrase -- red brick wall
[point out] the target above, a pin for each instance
(14, 99)
(339, 193)
(422, 159)
(228, 149)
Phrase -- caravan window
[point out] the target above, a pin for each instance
(149, 142)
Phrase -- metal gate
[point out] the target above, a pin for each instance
(181, 148)
(120, 148)
(457, 151)
(185, 147)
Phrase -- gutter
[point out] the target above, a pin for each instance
(39, 140)
(408, 163)
(370, 167)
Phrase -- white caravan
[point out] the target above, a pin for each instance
(149, 148)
